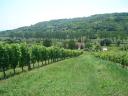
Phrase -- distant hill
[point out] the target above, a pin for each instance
(114, 25)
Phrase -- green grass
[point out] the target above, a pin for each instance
(18, 70)
(81, 76)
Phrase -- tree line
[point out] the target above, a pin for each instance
(113, 26)
(21, 55)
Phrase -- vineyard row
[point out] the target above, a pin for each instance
(21, 55)
(117, 57)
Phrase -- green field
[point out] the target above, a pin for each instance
(80, 76)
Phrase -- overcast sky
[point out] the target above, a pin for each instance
(17, 13)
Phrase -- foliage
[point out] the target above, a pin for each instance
(88, 46)
(112, 26)
(4, 59)
(105, 42)
(118, 43)
(14, 55)
(47, 42)
(71, 44)
(118, 57)
(124, 47)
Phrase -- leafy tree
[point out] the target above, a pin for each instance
(47, 42)
(14, 55)
(118, 43)
(88, 46)
(33, 55)
(42, 54)
(4, 63)
(28, 59)
(105, 42)
(25, 56)
(71, 44)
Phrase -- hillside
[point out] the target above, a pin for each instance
(71, 77)
(96, 26)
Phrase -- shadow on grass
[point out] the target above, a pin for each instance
(26, 70)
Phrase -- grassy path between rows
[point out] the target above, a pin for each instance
(80, 76)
